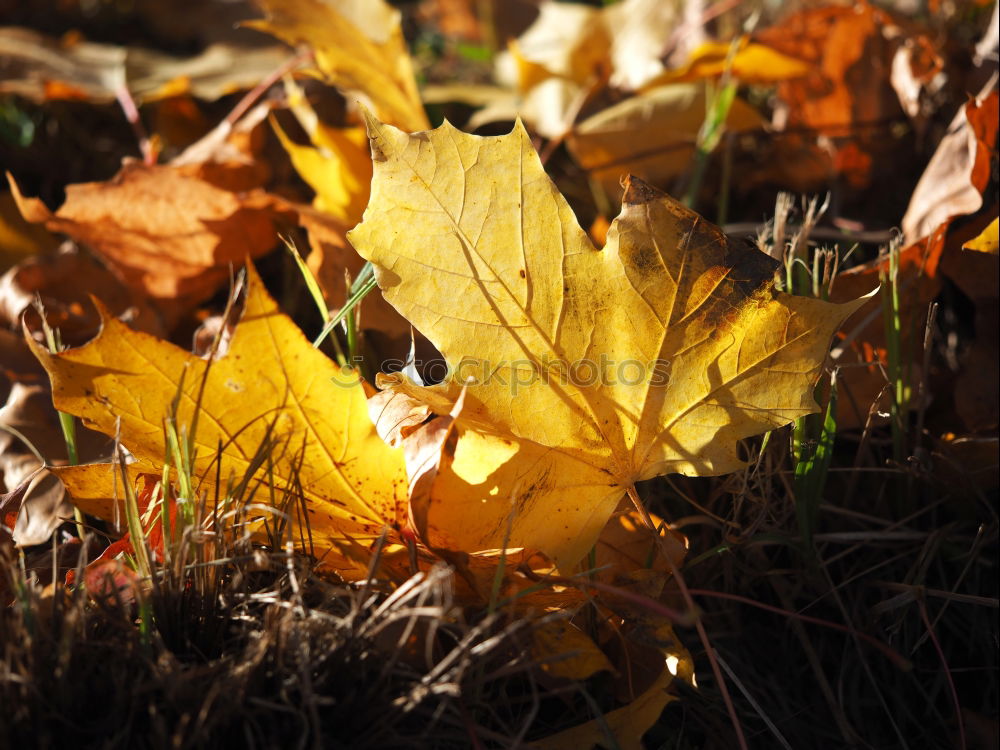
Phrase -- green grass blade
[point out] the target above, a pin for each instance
(311, 284)
(355, 299)
(812, 468)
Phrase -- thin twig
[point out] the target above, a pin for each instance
(251, 97)
(756, 706)
(127, 103)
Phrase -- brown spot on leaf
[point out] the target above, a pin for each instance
(644, 259)
(639, 191)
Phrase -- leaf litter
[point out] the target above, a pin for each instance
(478, 552)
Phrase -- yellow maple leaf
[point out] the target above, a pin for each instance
(337, 166)
(270, 385)
(605, 367)
(358, 46)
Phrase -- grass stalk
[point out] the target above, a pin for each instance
(359, 290)
(811, 467)
(719, 102)
(310, 280)
(67, 423)
(899, 393)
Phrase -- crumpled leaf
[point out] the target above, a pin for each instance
(653, 355)
(849, 50)
(41, 503)
(33, 501)
(395, 414)
(956, 195)
(271, 385)
(38, 67)
(625, 42)
(958, 173)
(358, 46)
(166, 232)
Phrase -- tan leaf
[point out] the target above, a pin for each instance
(651, 135)
(39, 67)
(959, 171)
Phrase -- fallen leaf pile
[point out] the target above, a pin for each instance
(559, 357)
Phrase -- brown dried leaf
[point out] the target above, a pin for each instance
(167, 234)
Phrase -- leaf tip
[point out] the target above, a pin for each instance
(377, 135)
(32, 210)
(638, 191)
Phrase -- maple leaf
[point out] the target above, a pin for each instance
(164, 229)
(338, 168)
(590, 369)
(358, 46)
(271, 385)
